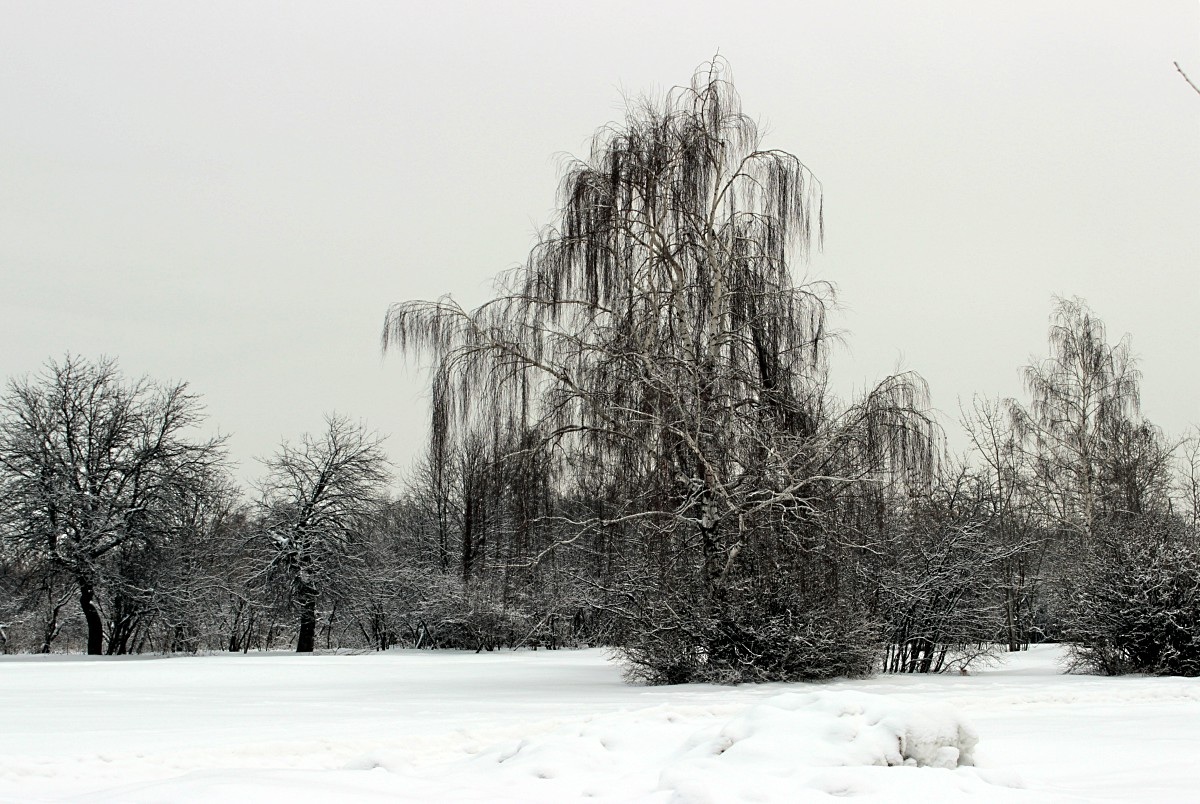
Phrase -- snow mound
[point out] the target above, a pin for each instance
(824, 729)
(785, 747)
(833, 742)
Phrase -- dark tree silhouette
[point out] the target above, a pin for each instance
(658, 344)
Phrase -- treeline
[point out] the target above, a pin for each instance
(122, 532)
(633, 444)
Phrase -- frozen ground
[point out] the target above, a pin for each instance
(561, 726)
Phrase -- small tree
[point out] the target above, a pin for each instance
(937, 580)
(314, 504)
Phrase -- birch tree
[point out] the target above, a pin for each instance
(1081, 395)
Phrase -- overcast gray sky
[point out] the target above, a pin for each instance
(231, 193)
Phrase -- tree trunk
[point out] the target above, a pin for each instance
(468, 535)
(123, 623)
(1010, 620)
(95, 626)
(235, 643)
(308, 623)
(51, 627)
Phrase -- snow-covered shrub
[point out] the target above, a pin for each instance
(476, 622)
(935, 577)
(1136, 605)
(768, 632)
(938, 599)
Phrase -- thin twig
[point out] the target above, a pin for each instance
(1185, 78)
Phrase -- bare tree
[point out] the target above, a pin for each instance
(1081, 395)
(937, 581)
(657, 339)
(92, 467)
(1187, 481)
(316, 502)
(1011, 523)
(1121, 560)
(187, 581)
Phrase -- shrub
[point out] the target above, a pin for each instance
(770, 633)
(1136, 605)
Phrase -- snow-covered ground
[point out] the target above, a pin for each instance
(562, 726)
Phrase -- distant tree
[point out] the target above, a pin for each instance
(35, 601)
(1113, 501)
(11, 576)
(1187, 481)
(1082, 395)
(93, 468)
(316, 503)
(1137, 467)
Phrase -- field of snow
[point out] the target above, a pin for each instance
(562, 726)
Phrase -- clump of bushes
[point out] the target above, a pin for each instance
(1136, 606)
